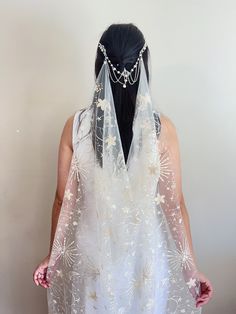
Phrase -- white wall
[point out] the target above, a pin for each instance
(47, 53)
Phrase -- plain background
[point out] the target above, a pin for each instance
(47, 54)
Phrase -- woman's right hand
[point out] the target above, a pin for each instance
(206, 290)
(39, 275)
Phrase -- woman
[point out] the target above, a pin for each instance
(120, 236)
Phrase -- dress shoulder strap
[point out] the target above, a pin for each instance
(76, 125)
(157, 122)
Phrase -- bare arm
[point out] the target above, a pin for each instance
(187, 226)
(64, 159)
(171, 139)
(176, 212)
(177, 162)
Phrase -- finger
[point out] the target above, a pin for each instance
(204, 295)
(39, 277)
(36, 278)
(202, 299)
(200, 303)
(43, 279)
(45, 283)
(36, 281)
(42, 283)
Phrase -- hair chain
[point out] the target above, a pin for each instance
(125, 76)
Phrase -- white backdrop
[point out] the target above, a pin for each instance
(47, 54)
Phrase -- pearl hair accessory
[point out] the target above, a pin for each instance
(129, 76)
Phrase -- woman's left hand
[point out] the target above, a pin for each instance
(206, 290)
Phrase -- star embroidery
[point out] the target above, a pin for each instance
(59, 273)
(191, 283)
(160, 199)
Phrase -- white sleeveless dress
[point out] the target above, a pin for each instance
(90, 287)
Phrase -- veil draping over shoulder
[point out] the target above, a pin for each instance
(121, 245)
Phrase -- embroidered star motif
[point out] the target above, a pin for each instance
(59, 273)
(192, 282)
(110, 140)
(159, 199)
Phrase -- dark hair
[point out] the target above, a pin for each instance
(123, 43)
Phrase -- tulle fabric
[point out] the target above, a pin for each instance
(120, 245)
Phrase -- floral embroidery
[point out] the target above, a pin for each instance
(102, 103)
(143, 101)
(68, 194)
(111, 141)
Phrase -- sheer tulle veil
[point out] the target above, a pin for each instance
(120, 245)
